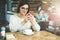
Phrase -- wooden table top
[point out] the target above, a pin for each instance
(42, 35)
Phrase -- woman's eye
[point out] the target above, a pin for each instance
(24, 8)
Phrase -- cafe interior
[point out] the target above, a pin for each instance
(51, 29)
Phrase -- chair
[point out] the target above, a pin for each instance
(55, 27)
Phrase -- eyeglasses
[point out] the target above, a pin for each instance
(24, 8)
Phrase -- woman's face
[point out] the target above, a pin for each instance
(41, 12)
(24, 9)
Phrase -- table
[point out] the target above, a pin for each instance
(42, 35)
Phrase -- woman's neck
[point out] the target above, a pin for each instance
(21, 16)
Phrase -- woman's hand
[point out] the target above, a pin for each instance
(24, 21)
(30, 17)
(34, 24)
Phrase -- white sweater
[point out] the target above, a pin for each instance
(15, 24)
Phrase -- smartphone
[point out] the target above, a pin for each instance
(31, 12)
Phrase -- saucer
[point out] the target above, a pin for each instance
(28, 32)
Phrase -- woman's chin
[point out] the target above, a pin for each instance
(23, 14)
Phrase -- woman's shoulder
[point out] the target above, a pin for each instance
(14, 16)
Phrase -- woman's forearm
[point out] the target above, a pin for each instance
(35, 26)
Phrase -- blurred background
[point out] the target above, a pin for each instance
(9, 7)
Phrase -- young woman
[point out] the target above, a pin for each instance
(23, 20)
